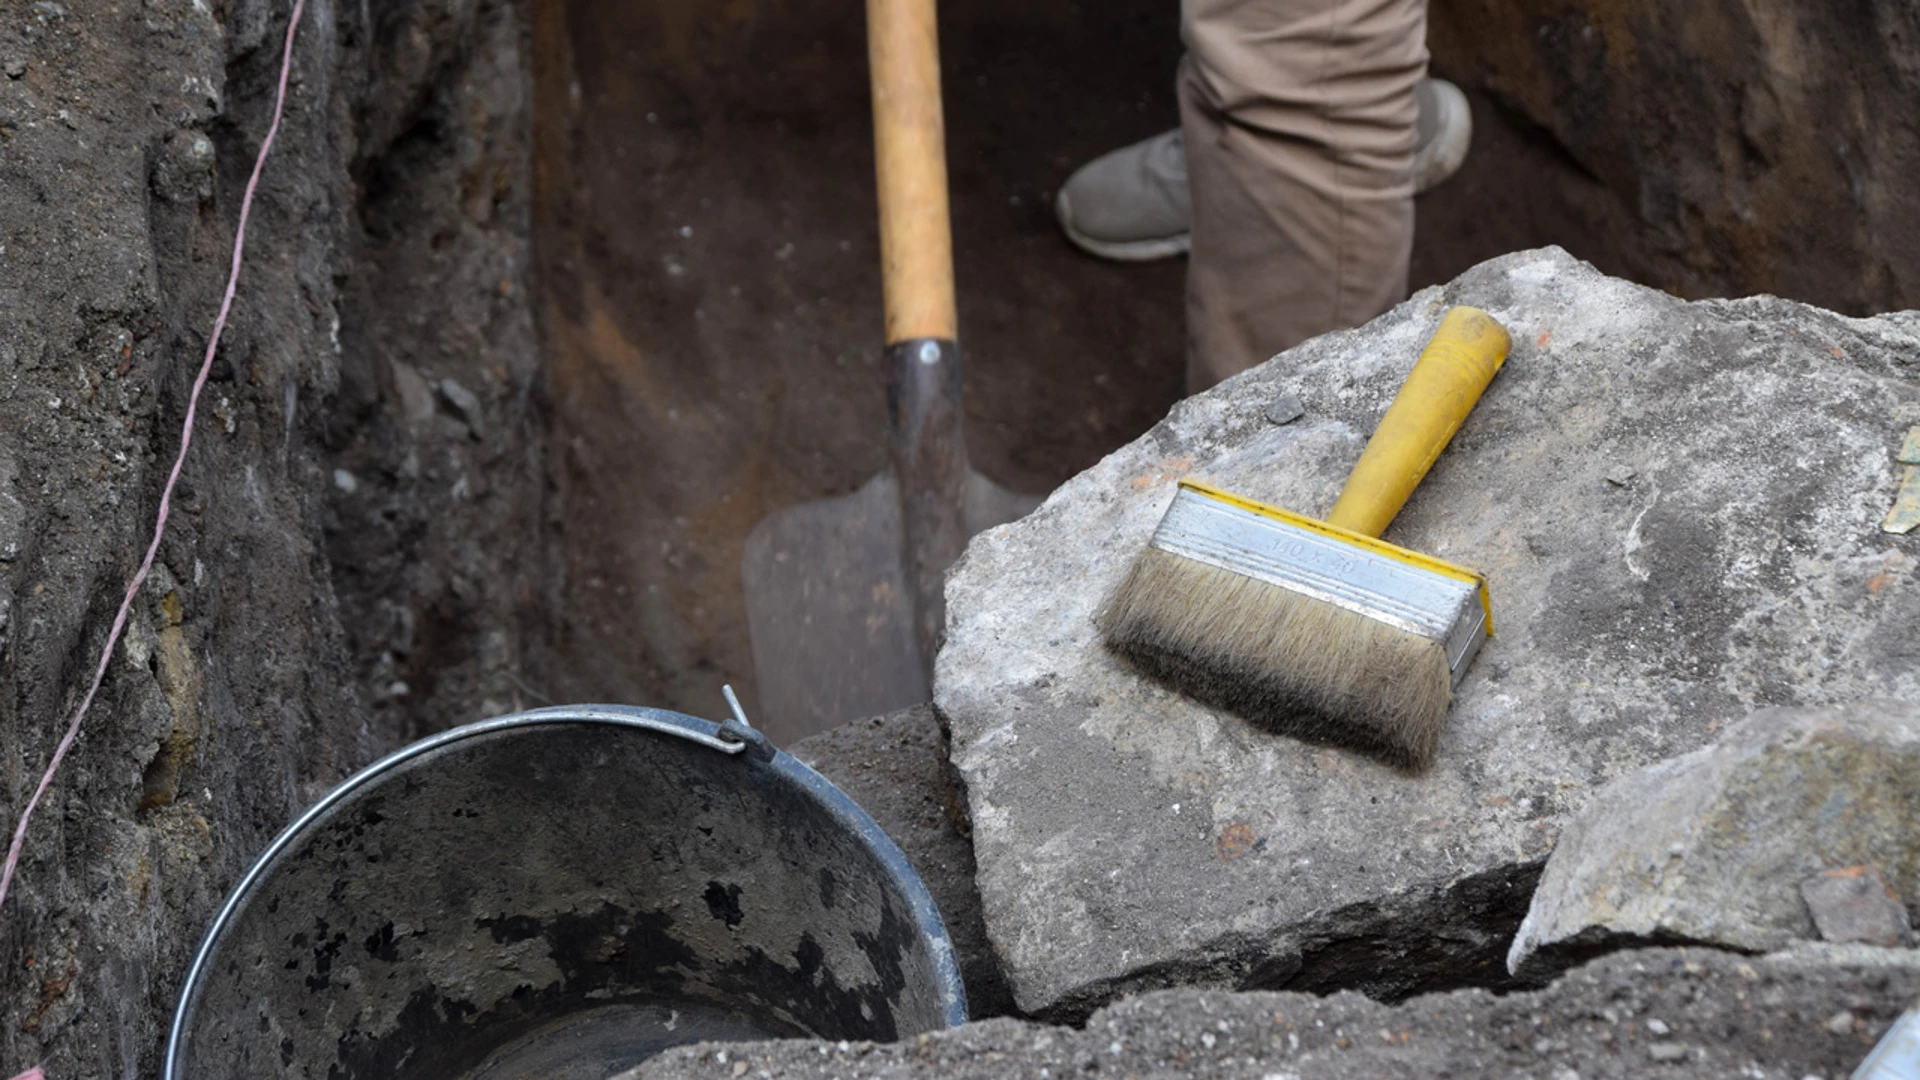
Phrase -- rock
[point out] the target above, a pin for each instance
(13, 514)
(1713, 846)
(466, 404)
(183, 167)
(1667, 1052)
(1128, 837)
(1730, 1016)
(1286, 409)
(416, 396)
(896, 768)
(1854, 904)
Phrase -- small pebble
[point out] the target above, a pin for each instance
(1666, 1051)
(1658, 1026)
(1620, 475)
(1840, 1023)
(16, 68)
(467, 404)
(1286, 409)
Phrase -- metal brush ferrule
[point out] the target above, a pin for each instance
(1311, 558)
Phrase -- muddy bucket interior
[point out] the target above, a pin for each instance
(562, 894)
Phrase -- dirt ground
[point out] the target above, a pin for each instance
(707, 265)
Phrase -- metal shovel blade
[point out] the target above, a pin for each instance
(829, 610)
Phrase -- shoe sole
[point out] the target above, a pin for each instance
(1160, 247)
(1437, 161)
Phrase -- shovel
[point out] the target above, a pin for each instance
(844, 595)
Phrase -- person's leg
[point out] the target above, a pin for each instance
(1298, 120)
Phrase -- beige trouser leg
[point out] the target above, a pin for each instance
(1298, 119)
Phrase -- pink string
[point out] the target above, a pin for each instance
(173, 478)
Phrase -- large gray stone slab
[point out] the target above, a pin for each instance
(1720, 846)
(1677, 504)
(1646, 1013)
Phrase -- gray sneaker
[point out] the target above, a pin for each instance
(1133, 204)
(1441, 133)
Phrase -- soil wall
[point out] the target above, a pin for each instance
(241, 690)
(1717, 148)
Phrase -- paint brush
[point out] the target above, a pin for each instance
(1319, 628)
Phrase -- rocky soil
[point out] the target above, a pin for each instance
(251, 676)
(1648, 1013)
(127, 133)
(1746, 146)
(439, 529)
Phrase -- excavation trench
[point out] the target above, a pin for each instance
(640, 240)
(548, 302)
(658, 222)
(709, 296)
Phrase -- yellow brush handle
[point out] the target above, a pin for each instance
(1457, 364)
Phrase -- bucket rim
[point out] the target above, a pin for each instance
(838, 804)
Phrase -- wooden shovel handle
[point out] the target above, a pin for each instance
(909, 141)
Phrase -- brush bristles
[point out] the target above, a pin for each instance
(1287, 661)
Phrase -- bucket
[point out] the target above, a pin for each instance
(561, 894)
